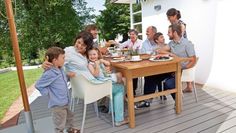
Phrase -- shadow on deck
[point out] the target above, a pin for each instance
(215, 112)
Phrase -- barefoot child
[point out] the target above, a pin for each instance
(53, 83)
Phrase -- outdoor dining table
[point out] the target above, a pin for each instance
(144, 68)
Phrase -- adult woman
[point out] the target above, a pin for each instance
(76, 62)
(174, 16)
(133, 42)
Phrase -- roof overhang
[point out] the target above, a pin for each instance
(123, 1)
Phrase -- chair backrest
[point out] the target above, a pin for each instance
(188, 75)
(90, 92)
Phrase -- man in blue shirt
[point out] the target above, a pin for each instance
(149, 47)
(181, 47)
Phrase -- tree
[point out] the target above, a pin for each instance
(42, 23)
(5, 46)
(113, 20)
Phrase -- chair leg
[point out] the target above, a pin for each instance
(162, 89)
(73, 105)
(96, 108)
(77, 101)
(71, 102)
(112, 112)
(84, 115)
(141, 84)
(195, 91)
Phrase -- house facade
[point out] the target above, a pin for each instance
(210, 25)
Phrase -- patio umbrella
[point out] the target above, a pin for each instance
(14, 39)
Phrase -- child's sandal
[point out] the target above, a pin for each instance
(73, 130)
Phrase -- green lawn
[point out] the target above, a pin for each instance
(10, 89)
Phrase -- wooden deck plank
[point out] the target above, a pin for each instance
(169, 122)
(222, 126)
(204, 122)
(148, 118)
(215, 112)
(231, 130)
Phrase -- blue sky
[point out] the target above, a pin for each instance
(96, 4)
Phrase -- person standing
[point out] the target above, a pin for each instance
(174, 16)
(53, 83)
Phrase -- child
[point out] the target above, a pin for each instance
(161, 45)
(98, 66)
(162, 48)
(53, 83)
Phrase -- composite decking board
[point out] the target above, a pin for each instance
(45, 112)
(186, 118)
(230, 130)
(160, 119)
(158, 109)
(210, 118)
(221, 126)
(219, 123)
(150, 111)
(39, 107)
(126, 129)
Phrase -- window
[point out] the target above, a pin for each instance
(136, 18)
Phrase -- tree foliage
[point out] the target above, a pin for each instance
(113, 20)
(42, 23)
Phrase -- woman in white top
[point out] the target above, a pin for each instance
(133, 42)
(76, 62)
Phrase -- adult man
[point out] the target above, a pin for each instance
(92, 28)
(181, 47)
(148, 47)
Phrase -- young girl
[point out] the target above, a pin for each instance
(98, 67)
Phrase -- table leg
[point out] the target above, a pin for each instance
(130, 95)
(179, 89)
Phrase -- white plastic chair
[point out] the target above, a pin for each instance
(188, 75)
(90, 93)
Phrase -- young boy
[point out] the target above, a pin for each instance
(53, 83)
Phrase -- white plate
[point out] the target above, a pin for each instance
(117, 60)
(136, 60)
(170, 58)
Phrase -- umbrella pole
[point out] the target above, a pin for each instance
(14, 39)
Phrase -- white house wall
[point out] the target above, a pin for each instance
(223, 71)
(211, 27)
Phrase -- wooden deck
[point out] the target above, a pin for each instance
(215, 112)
